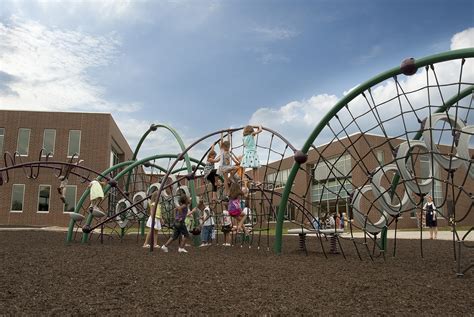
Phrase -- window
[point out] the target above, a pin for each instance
(277, 180)
(331, 190)
(74, 146)
(338, 167)
(114, 157)
(380, 157)
(425, 166)
(18, 193)
(2, 138)
(23, 143)
(44, 194)
(70, 198)
(49, 140)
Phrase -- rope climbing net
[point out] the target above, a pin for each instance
(390, 143)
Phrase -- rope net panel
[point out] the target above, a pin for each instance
(381, 155)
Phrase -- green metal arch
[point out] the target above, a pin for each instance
(131, 165)
(85, 236)
(442, 57)
(178, 138)
(86, 193)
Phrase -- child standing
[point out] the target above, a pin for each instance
(250, 159)
(431, 220)
(226, 226)
(154, 205)
(247, 213)
(190, 223)
(179, 227)
(207, 226)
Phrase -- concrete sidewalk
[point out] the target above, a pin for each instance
(415, 235)
(54, 229)
(411, 235)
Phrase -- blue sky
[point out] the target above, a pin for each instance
(202, 66)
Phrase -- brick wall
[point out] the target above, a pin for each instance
(96, 138)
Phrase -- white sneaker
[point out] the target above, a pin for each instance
(203, 245)
(164, 248)
(182, 250)
(146, 246)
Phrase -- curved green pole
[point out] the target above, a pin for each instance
(86, 193)
(154, 127)
(178, 138)
(135, 153)
(446, 56)
(85, 236)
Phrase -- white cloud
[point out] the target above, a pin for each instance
(160, 141)
(268, 58)
(183, 15)
(275, 34)
(100, 11)
(297, 119)
(463, 39)
(372, 53)
(267, 36)
(48, 68)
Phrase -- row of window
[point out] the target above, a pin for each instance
(332, 189)
(49, 141)
(278, 179)
(44, 197)
(338, 167)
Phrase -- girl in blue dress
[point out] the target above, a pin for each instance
(250, 158)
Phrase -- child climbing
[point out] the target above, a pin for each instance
(179, 226)
(226, 169)
(235, 209)
(64, 180)
(96, 194)
(240, 176)
(154, 207)
(210, 172)
(250, 158)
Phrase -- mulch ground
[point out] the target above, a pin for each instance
(41, 275)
